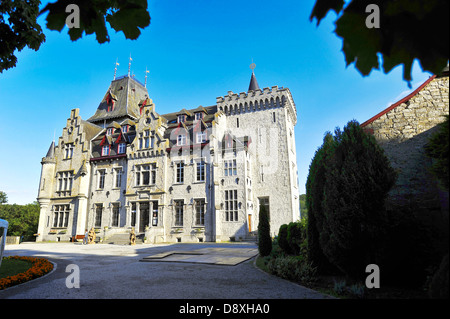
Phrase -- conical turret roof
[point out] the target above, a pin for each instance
(253, 83)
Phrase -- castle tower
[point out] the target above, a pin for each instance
(265, 119)
(45, 187)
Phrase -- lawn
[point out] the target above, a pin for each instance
(11, 267)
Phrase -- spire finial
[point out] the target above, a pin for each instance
(252, 66)
(253, 83)
(129, 65)
(146, 72)
(115, 68)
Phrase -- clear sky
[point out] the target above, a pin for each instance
(195, 50)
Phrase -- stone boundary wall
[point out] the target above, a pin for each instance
(403, 130)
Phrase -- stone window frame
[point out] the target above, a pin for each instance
(101, 178)
(117, 173)
(98, 212)
(230, 167)
(140, 169)
(181, 139)
(178, 206)
(68, 150)
(115, 214)
(180, 172)
(231, 205)
(200, 215)
(201, 137)
(61, 214)
(65, 182)
(198, 173)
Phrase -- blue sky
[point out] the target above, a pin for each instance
(195, 51)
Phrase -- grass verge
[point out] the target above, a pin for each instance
(17, 272)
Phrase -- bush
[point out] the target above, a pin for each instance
(437, 148)
(264, 240)
(293, 268)
(282, 239)
(314, 195)
(294, 237)
(350, 182)
(409, 248)
(439, 284)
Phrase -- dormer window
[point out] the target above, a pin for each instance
(105, 150)
(181, 118)
(201, 137)
(122, 148)
(181, 140)
(109, 131)
(125, 128)
(198, 116)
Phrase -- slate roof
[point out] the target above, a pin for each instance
(126, 93)
(190, 122)
(253, 83)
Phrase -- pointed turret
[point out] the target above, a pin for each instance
(51, 151)
(253, 83)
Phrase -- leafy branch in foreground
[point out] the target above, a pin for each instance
(409, 30)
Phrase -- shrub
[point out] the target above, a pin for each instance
(439, 284)
(437, 148)
(294, 237)
(340, 287)
(293, 268)
(357, 291)
(282, 239)
(264, 240)
(314, 195)
(409, 248)
(350, 181)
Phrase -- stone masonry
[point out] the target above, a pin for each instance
(403, 129)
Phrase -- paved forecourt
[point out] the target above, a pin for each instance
(146, 271)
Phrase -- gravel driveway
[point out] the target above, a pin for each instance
(112, 271)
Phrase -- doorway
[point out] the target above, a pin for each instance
(144, 214)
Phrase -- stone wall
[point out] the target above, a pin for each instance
(403, 130)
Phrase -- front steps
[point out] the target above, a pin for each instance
(123, 239)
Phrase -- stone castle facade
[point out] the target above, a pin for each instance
(190, 176)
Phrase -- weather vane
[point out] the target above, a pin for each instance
(129, 65)
(146, 72)
(252, 66)
(115, 69)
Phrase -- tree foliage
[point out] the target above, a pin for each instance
(23, 219)
(437, 148)
(314, 195)
(409, 30)
(350, 180)
(3, 198)
(19, 27)
(264, 239)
